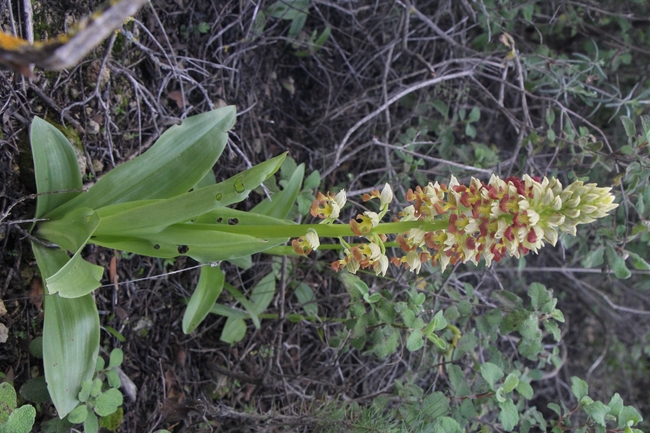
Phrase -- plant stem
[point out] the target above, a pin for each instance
(329, 231)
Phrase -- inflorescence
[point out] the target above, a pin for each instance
(464, 223)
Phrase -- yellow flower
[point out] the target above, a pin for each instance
(328, 206)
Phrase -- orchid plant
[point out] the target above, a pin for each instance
(166, 203)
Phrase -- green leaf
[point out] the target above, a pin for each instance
(638, 262)
(512, 380)
(446, 425)
(615, 405)
(116, 358)
(458, 382)
(597, 411)
(55, 167)
(629, 417)
(280, 204)
(86, 387)
(108, 402)
(525, 390)
(113, 379)
(204, 243)
(79, 414)
(70, 337)
(491, 373)
(263, 293)
(435, 405)
(233, 331)
(550, 117)
(594, 258)
(415, 340)
(96, 389)
(529, 328)
(138, 218)
(509, 416)
(35, 390)
(306, 297)
(21, 420)
(91, 425)
(388, 345)
(439, 322)
(7, 401)
(76, 277)
(579, 388)
(628, 125)
(208, 289)
(540, 298)
(617, 263)
(474, 115)
(555, 408)
(176, 162)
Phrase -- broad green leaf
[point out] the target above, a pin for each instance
(306, 297)
(86, 387)
(72, 231)
(435, 405)
(529, 328)
(113, 379)
(458, 381)
(116, 358)
(594, 258)
(539, 297)
(525, 390)
(491, 373)
(617, 263)
(629, 417)
(446, 425)
(280, 204)
(91, 425)
(35, 390)
(108, 402)
(628, 125)
(233, 331)
(175, 163)
(204, 243)
(207, 291)
(512, 380)
(7, 401)
(415, 340)
(263, 292)
(140, 218)
(96, 389)
(70, 346)
(388, 345)
(509, 416)
(70, 336)
(579, 388)
(77, 277)
(615, 404)
(639, 262)
(55, 167)
(79, 414)
(21, 420)
(597, 411)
